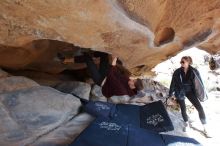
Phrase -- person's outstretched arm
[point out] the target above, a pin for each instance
(114, 61)
(111, 71)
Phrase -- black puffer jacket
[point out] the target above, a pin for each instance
(177, 87)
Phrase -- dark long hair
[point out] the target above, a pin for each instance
(123, 70)
(138, 83)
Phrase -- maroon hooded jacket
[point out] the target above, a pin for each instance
(116, 84)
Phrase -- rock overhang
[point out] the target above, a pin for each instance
(141, 33)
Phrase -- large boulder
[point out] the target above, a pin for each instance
(26, 115)
(155, 89)
(16, 83)
(80, 89)
(67, 132)
(141, 33)
(96, 94)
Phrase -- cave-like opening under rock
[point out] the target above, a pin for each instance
(50, 61)
(47, 61)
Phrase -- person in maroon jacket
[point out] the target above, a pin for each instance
(114, 79)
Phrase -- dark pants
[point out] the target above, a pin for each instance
(196, 103)
(98, 75)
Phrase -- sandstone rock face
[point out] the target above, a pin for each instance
(67, 132)
(28, 114)
(139, 32)
(16, 83)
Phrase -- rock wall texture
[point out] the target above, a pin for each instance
(141, 32)
(29, 114)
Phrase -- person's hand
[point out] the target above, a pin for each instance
(114, 61)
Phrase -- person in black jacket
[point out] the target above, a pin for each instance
(183, 85)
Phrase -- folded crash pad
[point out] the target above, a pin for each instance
(106, 132)
(100, 109)
(152, 116)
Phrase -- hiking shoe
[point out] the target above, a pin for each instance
(207, 133)
(186, 127)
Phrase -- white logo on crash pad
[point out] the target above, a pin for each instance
(155, 119)
(110, 126)
(101, 106)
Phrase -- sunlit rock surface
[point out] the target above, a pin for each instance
(139, 32)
